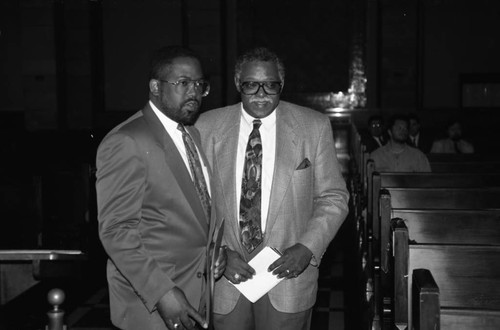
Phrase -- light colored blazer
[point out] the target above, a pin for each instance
(307, 205)
(151, 222)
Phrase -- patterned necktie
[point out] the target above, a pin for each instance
(196, 170)
(250, 225)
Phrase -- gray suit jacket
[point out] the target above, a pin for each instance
(151, 222)
(307, 205)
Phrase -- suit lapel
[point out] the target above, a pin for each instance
(226, 148)
(175, 162)
(286, 146)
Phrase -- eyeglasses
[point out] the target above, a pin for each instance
(253, 87)
(182, 85)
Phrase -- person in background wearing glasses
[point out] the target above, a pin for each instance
(277, 183)
(154, 204)
(375, 136)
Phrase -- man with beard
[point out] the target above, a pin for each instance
(277, 183)
(397, 155)
(154, 208)
(454, 143)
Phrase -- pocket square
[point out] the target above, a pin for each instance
(304, 164)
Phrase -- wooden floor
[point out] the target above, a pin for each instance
(87, 307)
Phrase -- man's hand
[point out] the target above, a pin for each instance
(177, 313)
(237, 269)
(292, 263)
(220, 263)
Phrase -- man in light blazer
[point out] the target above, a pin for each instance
(153, 223)
(303, 195)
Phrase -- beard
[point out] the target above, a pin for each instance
(400, 139)
(185, 113)
(188, 117)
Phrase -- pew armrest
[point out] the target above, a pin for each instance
(425, 304)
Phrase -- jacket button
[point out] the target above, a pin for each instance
(199, 274)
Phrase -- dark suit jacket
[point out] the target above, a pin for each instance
(151, 222)
(307, 203)
(370, 143)
(424, 142)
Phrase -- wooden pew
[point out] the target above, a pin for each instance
(379, 237)
(467, 275)
(390, 180)
(358, 199)
(469, 200)
(425, 226)
(445, 183)
(445, 198)
(425, 300)
(464, 163)
(467, 167)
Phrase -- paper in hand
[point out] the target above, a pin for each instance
(263, 281)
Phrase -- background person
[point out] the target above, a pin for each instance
(375, 136)
(396, 155)
(418, 138)
(454, 142)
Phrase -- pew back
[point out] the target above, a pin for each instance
(465, 166)
(468, 276)
(445, 198)
(467, 280)
(451, 226)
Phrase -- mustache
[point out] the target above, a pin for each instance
(191, 100)
(260, 99)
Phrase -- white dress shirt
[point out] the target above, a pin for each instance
(176, 135)
(268, 137)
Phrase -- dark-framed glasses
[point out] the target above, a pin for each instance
(253, 87)
(202, 86)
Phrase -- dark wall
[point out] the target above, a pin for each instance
(81, 64)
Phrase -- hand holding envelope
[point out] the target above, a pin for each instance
(263, 280)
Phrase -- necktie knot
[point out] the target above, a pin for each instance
(256, 123)
(181, 128)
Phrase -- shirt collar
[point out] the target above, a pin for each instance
(169, 124)
(267, 122)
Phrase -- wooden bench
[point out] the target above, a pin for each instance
(446, 184)
(389, 180)
(378, 221)
(425, 300)
(465, 167)
(467, 277)
(469, 200)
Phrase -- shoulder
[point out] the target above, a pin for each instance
(380, 151)
(131, 126)
(418, 153)
(304, 113)
(308, 121)
(213, 118)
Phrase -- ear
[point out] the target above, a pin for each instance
(153, 87)
(237, 83)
